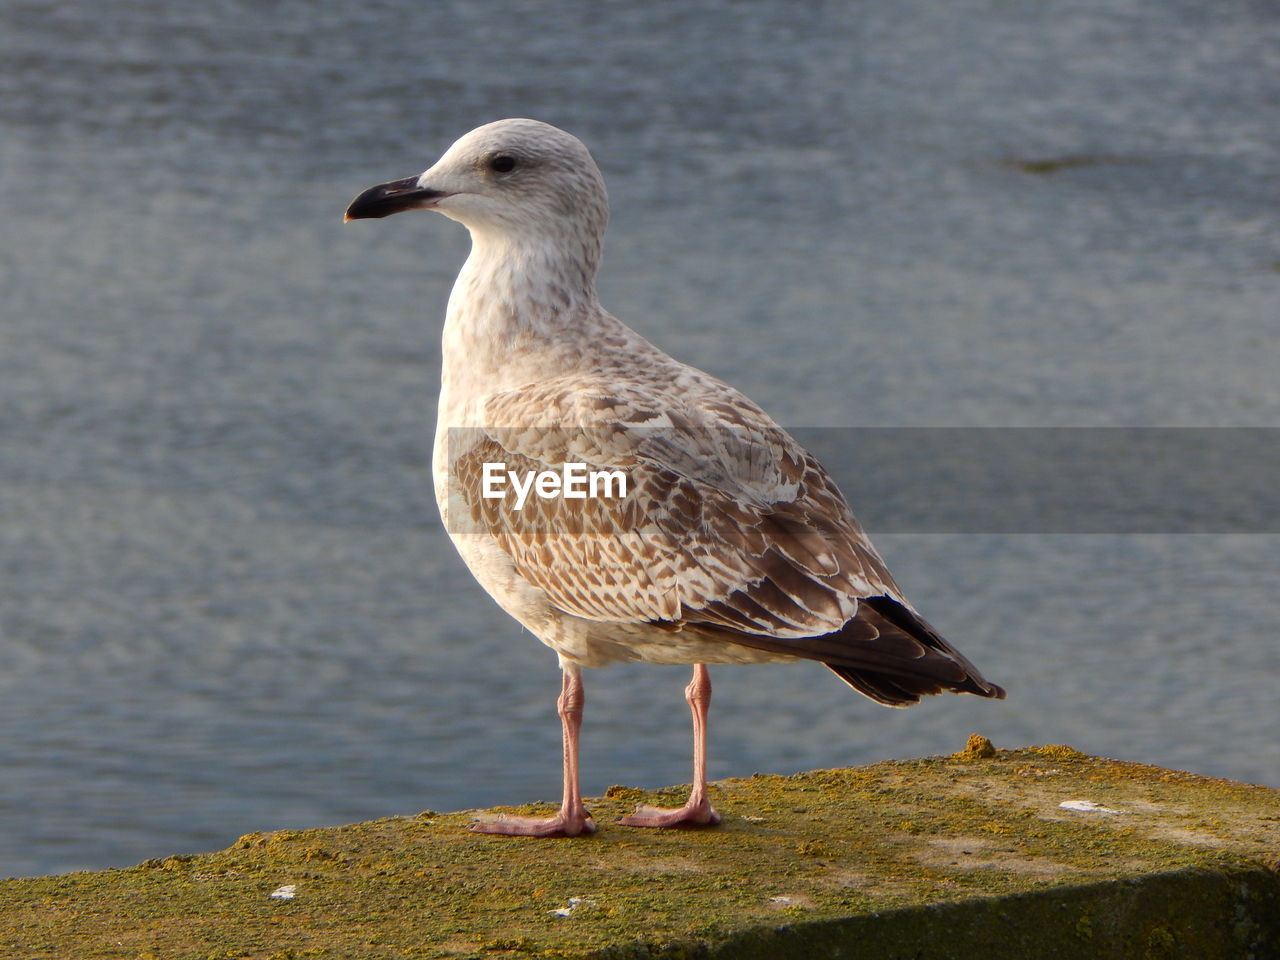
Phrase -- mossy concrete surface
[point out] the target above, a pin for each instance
(971, 855)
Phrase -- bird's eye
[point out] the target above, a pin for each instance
(502, 163)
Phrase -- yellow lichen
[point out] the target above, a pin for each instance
(978, 747)
(1060, 751)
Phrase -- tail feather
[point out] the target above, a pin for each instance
(887, 653)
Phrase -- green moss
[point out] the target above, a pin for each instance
(906, 849)
(1084, 926)
(1160, 945)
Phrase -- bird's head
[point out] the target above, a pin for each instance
(509, 177)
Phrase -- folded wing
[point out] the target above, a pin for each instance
(729, 529)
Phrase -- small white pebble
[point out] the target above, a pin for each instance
(1085, 806)
(574, 904)
(285, 892)
(779, 899)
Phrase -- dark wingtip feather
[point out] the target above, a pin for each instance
(889, 691)
(915, 626)
(887, 653)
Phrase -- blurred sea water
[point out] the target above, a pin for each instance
(226, 601)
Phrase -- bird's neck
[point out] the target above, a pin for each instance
(518, 301)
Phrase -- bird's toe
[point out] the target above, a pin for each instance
(561, 825)
(690, 815)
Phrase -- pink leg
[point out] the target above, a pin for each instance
(697, 811)
(573, 818)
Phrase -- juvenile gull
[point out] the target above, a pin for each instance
(732, 544)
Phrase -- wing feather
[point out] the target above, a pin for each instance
(722, 522)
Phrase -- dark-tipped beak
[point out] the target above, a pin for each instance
(388, 198)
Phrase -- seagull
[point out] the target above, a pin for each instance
(731, 543)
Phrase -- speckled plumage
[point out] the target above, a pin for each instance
(733, 545)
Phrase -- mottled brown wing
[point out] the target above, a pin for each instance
(727, 521)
